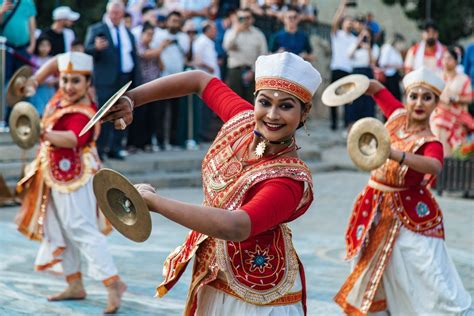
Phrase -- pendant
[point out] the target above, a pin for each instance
(260, 150)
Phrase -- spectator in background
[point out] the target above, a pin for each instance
(144, 123)
(78, 46)
(127, 20)
(341, 39)
(46, 90)
(135, 7)
(428, 52)
(307, 12)
(148, 15)
(243, 43)
(358, 25)
(363, 55)
(18, 24)
(197, 11)
(222, 25)
(61, 36)
(290, 39)
(391, 62)
(113, 48)
(469, 69)
(373, 26)
(205, 58)
(190, 29)
(173, 56)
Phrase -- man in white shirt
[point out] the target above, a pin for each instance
(173, 58)
(243, 43)
(341, 39)
(205, 58)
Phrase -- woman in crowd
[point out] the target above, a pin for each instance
(59, 207)
(451, 121)
(254, 183)
(363, 54)
(395, 233)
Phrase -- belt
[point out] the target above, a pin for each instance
(383, 187)
(287, 299)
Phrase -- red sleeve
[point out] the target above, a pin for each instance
(272, 202)
(433, 150)
(223, 101)
(75, 122)
(387, 102)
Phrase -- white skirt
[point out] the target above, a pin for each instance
(421, 278)
(212, 302)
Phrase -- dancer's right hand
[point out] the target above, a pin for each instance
(120, 110)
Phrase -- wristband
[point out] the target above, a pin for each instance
(129, 100)
(403, 158)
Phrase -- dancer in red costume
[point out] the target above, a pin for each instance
(254, 183)
(395, 233)
(59, 207)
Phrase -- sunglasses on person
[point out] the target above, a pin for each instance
(244, 18)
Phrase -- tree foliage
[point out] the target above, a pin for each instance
(91, 12)
(455, 18)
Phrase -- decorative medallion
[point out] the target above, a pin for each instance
(259, 259)
(422, 209)
(232, 169)
(64, 164)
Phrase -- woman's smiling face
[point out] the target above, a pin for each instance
(421, 102)
(278, 114)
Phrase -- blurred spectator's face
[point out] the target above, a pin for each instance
(127, 21)
(370, 17)
(358, 26)
(147, 36)
(430, 36)
(150, 17)
(173, 24)
(73, 86)
(78, 48)
(448, 62)
(211, 31)
(291, 19)
(245, 18)
(347, 24)
(44, 48)
(69, 23)
(115, 14)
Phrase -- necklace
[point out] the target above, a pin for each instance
(262, 145)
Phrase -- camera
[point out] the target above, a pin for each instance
(351, 3)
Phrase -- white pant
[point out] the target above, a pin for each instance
(421, 278)
(71, 222)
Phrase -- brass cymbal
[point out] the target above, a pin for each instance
(345, 90)
(24, 125)
(123, 206)
(368, 144)
(16, 86)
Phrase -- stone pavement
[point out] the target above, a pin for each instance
(318, 238)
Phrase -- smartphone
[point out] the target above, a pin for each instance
(351, 3)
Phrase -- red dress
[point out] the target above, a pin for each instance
(262, 269)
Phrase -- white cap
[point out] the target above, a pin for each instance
(65, 13)
(426, 78)
(289, 73)
(75, 62)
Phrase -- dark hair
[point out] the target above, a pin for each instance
(38, 42)
(127, 15)
(452, 51)
(77, 41)
(206, 26)
(145, 9)
(147, 26)
(429, 24)
(176, 13)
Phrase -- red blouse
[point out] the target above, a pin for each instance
(269, 202)
(388, 104)
(75, 122)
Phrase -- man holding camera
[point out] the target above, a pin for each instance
(243, 43)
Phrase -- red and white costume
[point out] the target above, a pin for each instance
(261, 275)
(59, 207)
(396, 235)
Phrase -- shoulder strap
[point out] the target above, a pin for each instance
(8, 18)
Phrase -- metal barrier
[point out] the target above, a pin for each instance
(3, 47)
(457, 175)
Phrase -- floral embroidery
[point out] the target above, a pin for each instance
(422, 209)
(259, 259)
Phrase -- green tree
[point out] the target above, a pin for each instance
(91, 12)
(455, 18)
